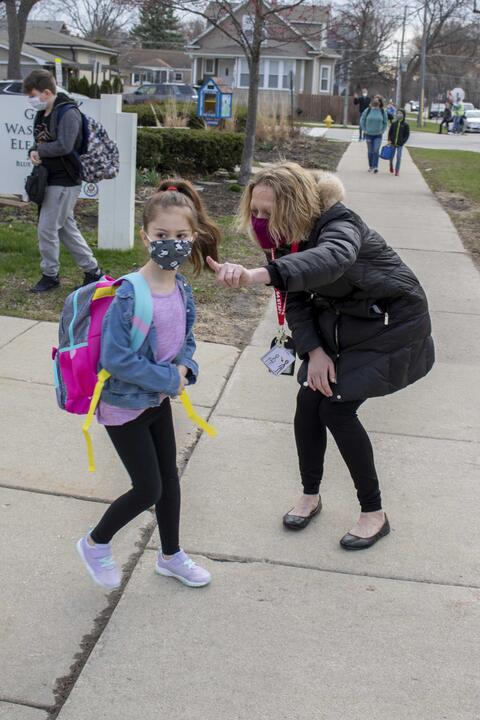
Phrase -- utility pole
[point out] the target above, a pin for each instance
(346, 97)
(423, 67)
(398, 95)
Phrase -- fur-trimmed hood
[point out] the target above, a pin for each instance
(330, 189)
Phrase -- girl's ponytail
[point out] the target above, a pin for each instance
(208, 232)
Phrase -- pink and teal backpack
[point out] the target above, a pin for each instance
(78, 382)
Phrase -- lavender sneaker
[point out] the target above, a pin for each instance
(99, 563)
(181, 567)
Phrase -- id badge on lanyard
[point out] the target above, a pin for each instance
(280, 359)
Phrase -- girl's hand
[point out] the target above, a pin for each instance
(234, 275)
(183, 378)
(321, 370)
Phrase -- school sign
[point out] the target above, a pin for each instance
(116, 197)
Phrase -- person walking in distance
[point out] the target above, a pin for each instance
(373, 122)
(398, 135)
(446, 117)
(57, 135)
(362, 102)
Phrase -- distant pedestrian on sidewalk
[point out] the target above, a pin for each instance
(56, 138)
(374, 123)
(135, 403)
(391, 111)
(458, 116)
(362, 103)
(446, 117)
(359, 320)
(398, 134)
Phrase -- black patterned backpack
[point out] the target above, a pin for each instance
(98, 154)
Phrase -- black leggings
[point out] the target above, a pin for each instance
(146, 447)
(315, 413)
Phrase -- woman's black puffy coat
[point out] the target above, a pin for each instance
(351, 294)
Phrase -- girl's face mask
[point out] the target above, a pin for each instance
(169, 254)
(260, 228)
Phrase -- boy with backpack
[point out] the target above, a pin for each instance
(58, 130)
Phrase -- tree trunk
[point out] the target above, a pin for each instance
(251, 125)
(17, 25)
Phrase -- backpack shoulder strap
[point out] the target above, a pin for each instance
(143, 309)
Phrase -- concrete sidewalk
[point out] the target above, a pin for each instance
(292, 626)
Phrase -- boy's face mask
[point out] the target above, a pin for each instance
(37, 103)
(169, 254)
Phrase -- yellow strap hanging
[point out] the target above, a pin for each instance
(195, 417)
(102, 377)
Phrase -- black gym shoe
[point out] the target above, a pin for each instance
(91, 277)
(46, 283)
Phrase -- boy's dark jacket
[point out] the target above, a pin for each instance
(399, 132)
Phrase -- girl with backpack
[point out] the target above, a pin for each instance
(398, 135)
(135, 403)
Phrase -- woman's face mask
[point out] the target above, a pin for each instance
(264, 237)
(169, 254)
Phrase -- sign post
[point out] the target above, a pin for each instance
(59, 71)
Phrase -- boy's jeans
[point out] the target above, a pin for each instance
(373, 149)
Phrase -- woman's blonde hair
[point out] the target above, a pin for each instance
(300, 197)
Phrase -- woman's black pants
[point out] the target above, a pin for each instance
(315, 413)
(146, 447)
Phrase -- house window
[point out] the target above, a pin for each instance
(247, 24)
(209, 66)
(324, 78)
(178, 76)
(273, 74)
(226, 72)
(244, 74)
(137, 78)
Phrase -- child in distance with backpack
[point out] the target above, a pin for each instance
(58, 134)
(398, 134)
(135, 405)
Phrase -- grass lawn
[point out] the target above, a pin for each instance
(223, 316)
(454, 176)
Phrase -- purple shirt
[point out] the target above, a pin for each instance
(169, 318)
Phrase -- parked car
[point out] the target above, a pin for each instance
(436, 110)
(11, 87)
(468, 106)
(152, 92)
(472, 121)
(414, 105)
(15, 87)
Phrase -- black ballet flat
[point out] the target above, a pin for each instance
(353, 542)
(297, 522)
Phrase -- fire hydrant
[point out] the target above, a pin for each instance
(328, 121)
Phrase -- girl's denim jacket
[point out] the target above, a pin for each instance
(136, 379)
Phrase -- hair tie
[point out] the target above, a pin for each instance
(172, 187)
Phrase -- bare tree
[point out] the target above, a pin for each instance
(364, 29)
(266, 20)
(96, 20)
(449, 27)
(17, 15)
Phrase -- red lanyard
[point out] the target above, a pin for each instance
(281, 298)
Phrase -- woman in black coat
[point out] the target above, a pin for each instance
(359, 320)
